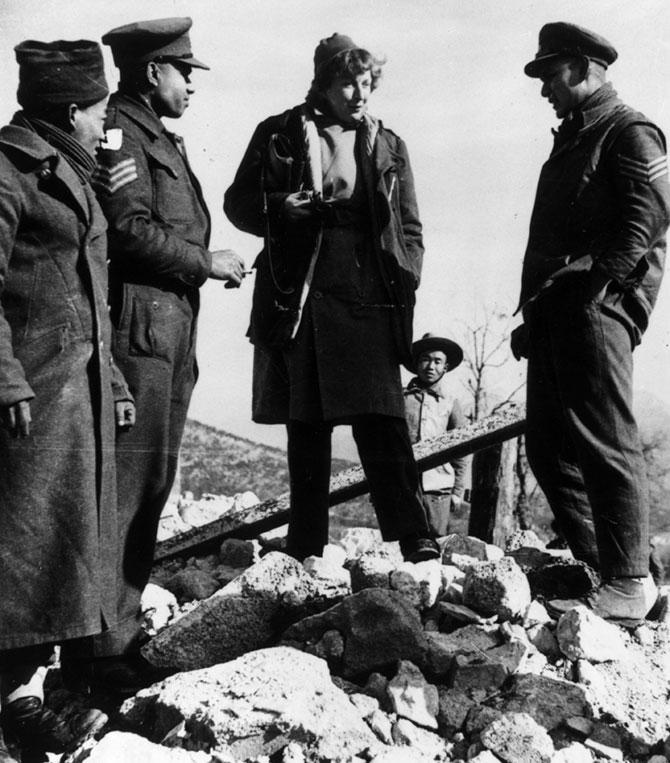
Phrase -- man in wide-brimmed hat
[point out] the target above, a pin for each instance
(591, 274)
(431, 409)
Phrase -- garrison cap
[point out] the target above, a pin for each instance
(560, 39)
(431, 343)
(154, 40)
(60, 73)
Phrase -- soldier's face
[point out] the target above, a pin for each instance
(173, 89)
(88, 125)
(431, 366)
(348, 97)
(561, 86)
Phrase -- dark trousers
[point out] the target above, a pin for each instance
(161, 378)
(388, 462)
(582, 439)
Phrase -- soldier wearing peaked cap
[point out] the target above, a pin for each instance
(159, 230)
(591, 274)
(61, 397)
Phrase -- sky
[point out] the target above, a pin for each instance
(477, 131)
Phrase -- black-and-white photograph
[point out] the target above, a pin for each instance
(334, 381)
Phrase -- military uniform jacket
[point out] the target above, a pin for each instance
(603, 201)
(58, 532)
(159, 225)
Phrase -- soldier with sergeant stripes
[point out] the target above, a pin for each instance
(591, 274)
(159, 230)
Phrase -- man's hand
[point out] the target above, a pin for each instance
(519, 342)
(298, 206)
(16, 418)
(227, 266)
(456, 502)
(124, 412)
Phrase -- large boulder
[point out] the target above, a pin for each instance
(634, 691)
(256, 705)
(497, 588)
(120, 746)
(247, 614)
(378, 628)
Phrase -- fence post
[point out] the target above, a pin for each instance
(492, 516)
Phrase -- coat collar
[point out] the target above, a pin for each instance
(585, 117)
(437, 390)
(47, 161)
(138, 111)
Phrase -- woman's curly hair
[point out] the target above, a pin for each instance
(348, 64)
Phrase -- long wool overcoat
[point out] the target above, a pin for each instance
(58, 544)
(358, 341)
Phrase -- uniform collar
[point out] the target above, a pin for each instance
(437, 390)
(134, 108)
(28, 142)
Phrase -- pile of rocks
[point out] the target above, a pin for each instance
(358, 656)
(187, 512)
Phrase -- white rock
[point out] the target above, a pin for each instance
(120, 746)
(412, 697)
(581, 634)
(158, 607)
(573, 753)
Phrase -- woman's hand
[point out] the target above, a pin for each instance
(298, 206)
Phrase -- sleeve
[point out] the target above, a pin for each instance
(14, 386)
(244, 203)
(460, 465)
(409, 213)
(123, 183)
(637, 163)
(120, 389)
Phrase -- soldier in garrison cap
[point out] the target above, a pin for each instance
(61, 397)
(591, 274)
(159, 230)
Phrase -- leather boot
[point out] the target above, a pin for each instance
(37, 728)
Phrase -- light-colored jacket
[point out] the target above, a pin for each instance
(430, 412)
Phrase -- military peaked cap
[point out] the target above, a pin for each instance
(154, 40)
(560, 39)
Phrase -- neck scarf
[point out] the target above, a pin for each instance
(75, 154)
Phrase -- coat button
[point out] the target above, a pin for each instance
(154, 305)
(318, 295)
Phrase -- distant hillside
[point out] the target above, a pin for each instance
(213, 461)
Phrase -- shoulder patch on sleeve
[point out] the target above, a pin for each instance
(645, 172)
(113, 139)
(108, 180)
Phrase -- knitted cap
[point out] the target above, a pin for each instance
(330, 47)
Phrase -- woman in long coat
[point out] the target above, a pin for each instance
(331, 191)
(58, 385)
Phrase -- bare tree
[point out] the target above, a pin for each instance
(486, 348)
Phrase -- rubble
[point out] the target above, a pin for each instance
(358, 656)
(497, 588)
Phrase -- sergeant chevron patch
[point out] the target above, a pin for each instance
(110, 179)
(646, 172)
